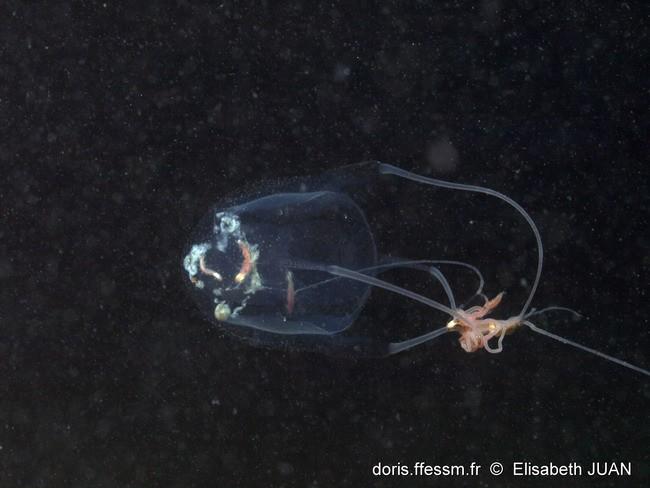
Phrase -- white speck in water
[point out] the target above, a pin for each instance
(442, 156)
(341, 72)
(285, 468)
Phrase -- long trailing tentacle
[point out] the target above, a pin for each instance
(561, 339)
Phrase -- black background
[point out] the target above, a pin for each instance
(122, 125)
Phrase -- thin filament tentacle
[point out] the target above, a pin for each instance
(553, 308)
(410, 263)
(585, 348)
(370, 280)
(395, 347)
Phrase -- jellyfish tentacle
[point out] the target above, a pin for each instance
(393, 263)
(395, 347)
(569, 342)
(371, 280)
(394, 170)
(450, 262)
(553, 308)
(445, 285)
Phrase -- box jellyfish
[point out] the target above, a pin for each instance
(294, 263)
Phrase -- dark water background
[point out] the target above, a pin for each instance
(121, 126)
